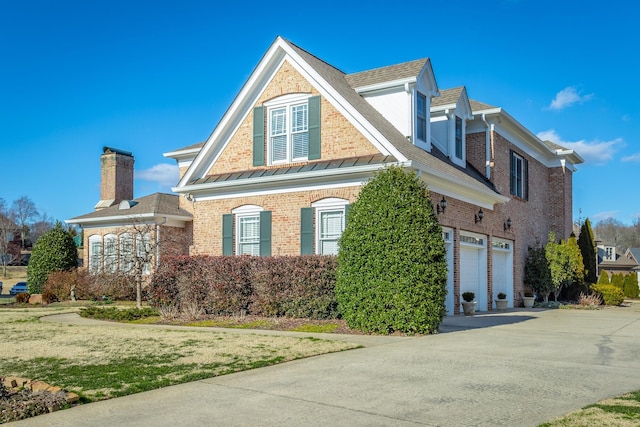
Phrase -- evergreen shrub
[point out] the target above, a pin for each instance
(630, 286)
(55, 250)
(392, 270)
(610, 294)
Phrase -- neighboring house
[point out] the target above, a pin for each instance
(609, 261)
(123, 230)
(293, 150)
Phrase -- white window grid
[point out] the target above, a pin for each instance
(421, 117)
(289, 133)
(248, 232)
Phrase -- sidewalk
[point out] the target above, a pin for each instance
(518, 368)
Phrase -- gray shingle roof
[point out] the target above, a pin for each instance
(447, 97)
(338, 81)
(386, 74)
(158, 204)
(476, 106)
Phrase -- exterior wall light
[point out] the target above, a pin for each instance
(479, 216)
(440, 207)
(507, 225)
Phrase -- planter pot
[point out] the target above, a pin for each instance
(469, 308)
(528, 301)
(501, 304)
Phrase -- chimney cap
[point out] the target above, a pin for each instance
(107, 150)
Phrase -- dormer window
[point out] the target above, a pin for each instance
(458, 136)
(421, 117)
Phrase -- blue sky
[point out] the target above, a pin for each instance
(152, 76)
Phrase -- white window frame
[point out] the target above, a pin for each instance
(110, 246)
(144, 252)
(241, 214)
(458, 119)
(95, 253)
(421, 117)
(126, 252)
(287, 103)
(325, 206)
(520, 178)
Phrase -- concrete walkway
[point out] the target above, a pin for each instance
(518, 368)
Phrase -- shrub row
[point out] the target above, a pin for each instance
(293, 286)
(113, 313)
(85, 286)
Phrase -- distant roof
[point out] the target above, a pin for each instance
(157, 204)
(447, 96)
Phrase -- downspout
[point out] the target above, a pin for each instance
(489, 146)
(164, 220)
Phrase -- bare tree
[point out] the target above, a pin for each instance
(24, 210)
(136, 250)
(43, 224)
(7, 230)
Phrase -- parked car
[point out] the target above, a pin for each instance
(18, 288)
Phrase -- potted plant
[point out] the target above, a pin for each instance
(528, 299)
(501, 302)
(468, 305)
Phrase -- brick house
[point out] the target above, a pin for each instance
(122, 230)
(294, 148)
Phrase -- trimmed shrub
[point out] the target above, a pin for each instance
(604, 278)
(537, 274)
(265, 286)
(617, 279)
(54, 251)
(23, 297)
(392, 271)
(610, 294)
(60, 284)
(112, 286)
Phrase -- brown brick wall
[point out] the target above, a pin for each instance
(285, 218)
(476, 151)
(339, 138)
(116, 179)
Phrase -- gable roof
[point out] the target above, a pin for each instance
(336, 87)
(154, 206)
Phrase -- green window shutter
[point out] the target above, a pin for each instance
(526, 179)
(314, 128)
(265, 233)
(258, 136)
(227, 234)
(306, 231)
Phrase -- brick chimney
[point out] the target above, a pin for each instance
(116, 169)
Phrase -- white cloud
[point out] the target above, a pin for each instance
(634, 158)
(567, 97)
(595, 152)
(601, 216)
(163, 173)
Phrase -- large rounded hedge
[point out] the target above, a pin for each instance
(392, 269)
(54, 251)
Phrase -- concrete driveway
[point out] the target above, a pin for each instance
(518, 368)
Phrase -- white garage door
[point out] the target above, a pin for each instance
(473, 268)
(502, 268)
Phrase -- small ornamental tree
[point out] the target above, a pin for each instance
(537, 275)
(617, 279)
(54, 251)
(630, 286)
(604, 278)
(588, 250)
(392, 270)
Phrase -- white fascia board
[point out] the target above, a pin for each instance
(182, 154)
(287, 179)
(235, 114)
(385, 85)
(120, 220)
(442, 183)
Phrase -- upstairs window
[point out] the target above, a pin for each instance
(288, 129)
(519, 183)
(421, 117)
(289, 136)
(458, 136)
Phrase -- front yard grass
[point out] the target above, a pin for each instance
(621, 411)
(101, 362)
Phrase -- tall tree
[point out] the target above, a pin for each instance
(587, 245)
(55, 251)
(43, 224)
(24, 210)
